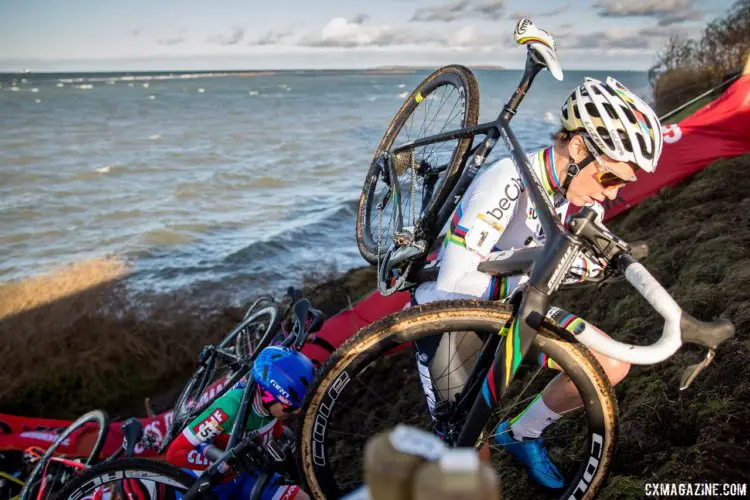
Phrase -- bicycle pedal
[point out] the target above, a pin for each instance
(692, 371)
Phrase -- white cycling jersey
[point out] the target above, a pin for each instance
(496, 215)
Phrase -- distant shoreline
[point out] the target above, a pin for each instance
(378, 70)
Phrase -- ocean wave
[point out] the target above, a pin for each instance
(119, 215)
(296, 238)
(166, 76)
(165, 237)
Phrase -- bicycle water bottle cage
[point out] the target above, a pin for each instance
(541, 46)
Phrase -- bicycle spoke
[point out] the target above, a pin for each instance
(515, 403)
(387, 403)
(439, 109)
(446, 124)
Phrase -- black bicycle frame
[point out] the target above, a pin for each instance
(550, 264)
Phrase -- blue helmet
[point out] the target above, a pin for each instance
(284, 373)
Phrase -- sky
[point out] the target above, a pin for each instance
(104, 35)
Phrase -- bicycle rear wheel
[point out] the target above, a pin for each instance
(93, 421)
(135, 477)
(371, 384)
(217, 374)
(446, 100)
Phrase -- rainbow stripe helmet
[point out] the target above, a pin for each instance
(621, 125)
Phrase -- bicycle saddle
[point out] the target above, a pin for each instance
(541, 44)
(132, 432)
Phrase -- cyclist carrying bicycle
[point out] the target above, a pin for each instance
(283, 377)
(608, 137)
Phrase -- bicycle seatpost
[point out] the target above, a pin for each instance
(530, 71)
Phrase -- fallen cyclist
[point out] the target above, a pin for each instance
(283, 377)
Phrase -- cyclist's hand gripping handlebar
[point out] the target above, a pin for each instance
(679, 326)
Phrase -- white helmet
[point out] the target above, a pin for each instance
(623, 126)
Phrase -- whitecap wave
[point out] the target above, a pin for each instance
(103, 170)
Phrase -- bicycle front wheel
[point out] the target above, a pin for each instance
(95, 422)
(371, 383)
(446, 100)
(129, 478)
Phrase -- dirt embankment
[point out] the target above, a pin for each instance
(71, 346)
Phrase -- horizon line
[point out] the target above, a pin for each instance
(252, 71)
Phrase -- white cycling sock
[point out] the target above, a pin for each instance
(530, 423)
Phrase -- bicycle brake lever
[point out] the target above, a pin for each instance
(692, 371)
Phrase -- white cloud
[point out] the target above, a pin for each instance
(233, 38)
(273, 37)
(171, 41)
(461, 9)
(667, 11)
(340, 32)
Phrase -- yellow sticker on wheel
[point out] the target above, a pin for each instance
(419, 98)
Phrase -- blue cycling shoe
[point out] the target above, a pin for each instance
(532, 454)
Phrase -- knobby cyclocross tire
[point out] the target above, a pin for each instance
(151, 470)
(100, 418)
(203, 376)
(457, 76)
(381, 338)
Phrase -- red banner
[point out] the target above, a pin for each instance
(720, 129)
(18, 433)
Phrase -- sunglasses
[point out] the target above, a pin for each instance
(604, 175)
(269, 399)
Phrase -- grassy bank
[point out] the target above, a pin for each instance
(77, 340)
(699, 235)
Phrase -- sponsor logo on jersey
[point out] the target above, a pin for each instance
(211, 426)
(197, 458)
(512, 192)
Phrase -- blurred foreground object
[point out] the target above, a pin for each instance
(406, 463)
